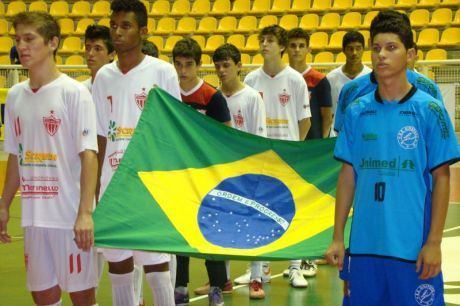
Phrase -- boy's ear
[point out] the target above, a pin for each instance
(54, 43)
(144, 31)
(411, 54)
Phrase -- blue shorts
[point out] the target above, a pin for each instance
(345, 269)
(375, 281)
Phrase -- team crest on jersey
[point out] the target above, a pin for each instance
(408, 137)
(238, 119)
(424, 295)
(284, 97)
(51, 124)
(115, 159)
(140, 99)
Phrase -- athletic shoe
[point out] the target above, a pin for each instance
(296, 279)
(246, 278)
(215, 297)
(203, 290)
(256, 291)
(309, 268)
(181, 299)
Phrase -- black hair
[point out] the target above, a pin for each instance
(101, 32)
(352, 36)
(135, 6)
(391, 21)
(150, 48)
(299, 33)
(225, 52)
(187, 47)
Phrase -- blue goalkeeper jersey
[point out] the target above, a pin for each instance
(393, 147)
(367, 83)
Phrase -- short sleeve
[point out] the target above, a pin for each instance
(344, 144)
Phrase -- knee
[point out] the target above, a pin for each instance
(122, 267)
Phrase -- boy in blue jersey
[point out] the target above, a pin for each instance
(367, 83)
(392, 140)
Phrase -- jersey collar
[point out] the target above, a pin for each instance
(411, 92)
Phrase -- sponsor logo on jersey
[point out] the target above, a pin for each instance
(41, 191)
(408, 137)
(115, 159)
(85, 132)
(238, 119)
(51, 124)
(140, 99)
(284, 97)
(395, 165)
(116, 133)
(36, 159)
(425, 294)
(369, 136)
(39, 179)
(436, 109)
(407, 113)
(371, 112)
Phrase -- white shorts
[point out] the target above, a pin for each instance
(52, 258)
(141, 258)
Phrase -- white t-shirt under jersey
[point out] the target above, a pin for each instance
(286, 101)
(47, 130)
(247, 111)
(120, 98)
(337, 79)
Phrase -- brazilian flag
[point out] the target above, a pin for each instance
(190, 185)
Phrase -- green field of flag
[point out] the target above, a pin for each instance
(190, 185)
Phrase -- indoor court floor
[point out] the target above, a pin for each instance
(324, 290)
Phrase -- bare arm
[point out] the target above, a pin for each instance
(84, 227)
(12, 182)
(304, 127)
(430, 255)
(344, 199)
(101, 144)
(326, 116)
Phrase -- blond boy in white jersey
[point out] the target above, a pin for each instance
(51, 141)
(119, 92)
(286, 102)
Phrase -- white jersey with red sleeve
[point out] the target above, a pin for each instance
(247, 111)
(46, 130)
(120, 99)
(286, 101)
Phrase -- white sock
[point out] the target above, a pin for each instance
(256, 270)
(122, 289)
(160, 283)
(295, 264)
(173, 270)
(227, 268)
(138, 274)
(56, 304)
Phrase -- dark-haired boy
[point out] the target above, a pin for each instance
(318, 87)
(353, 47)
(367, 83)
(396, 146)
(248, 115)
(99, 50)
(209, 101)
(50, 135)
(119, 91)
